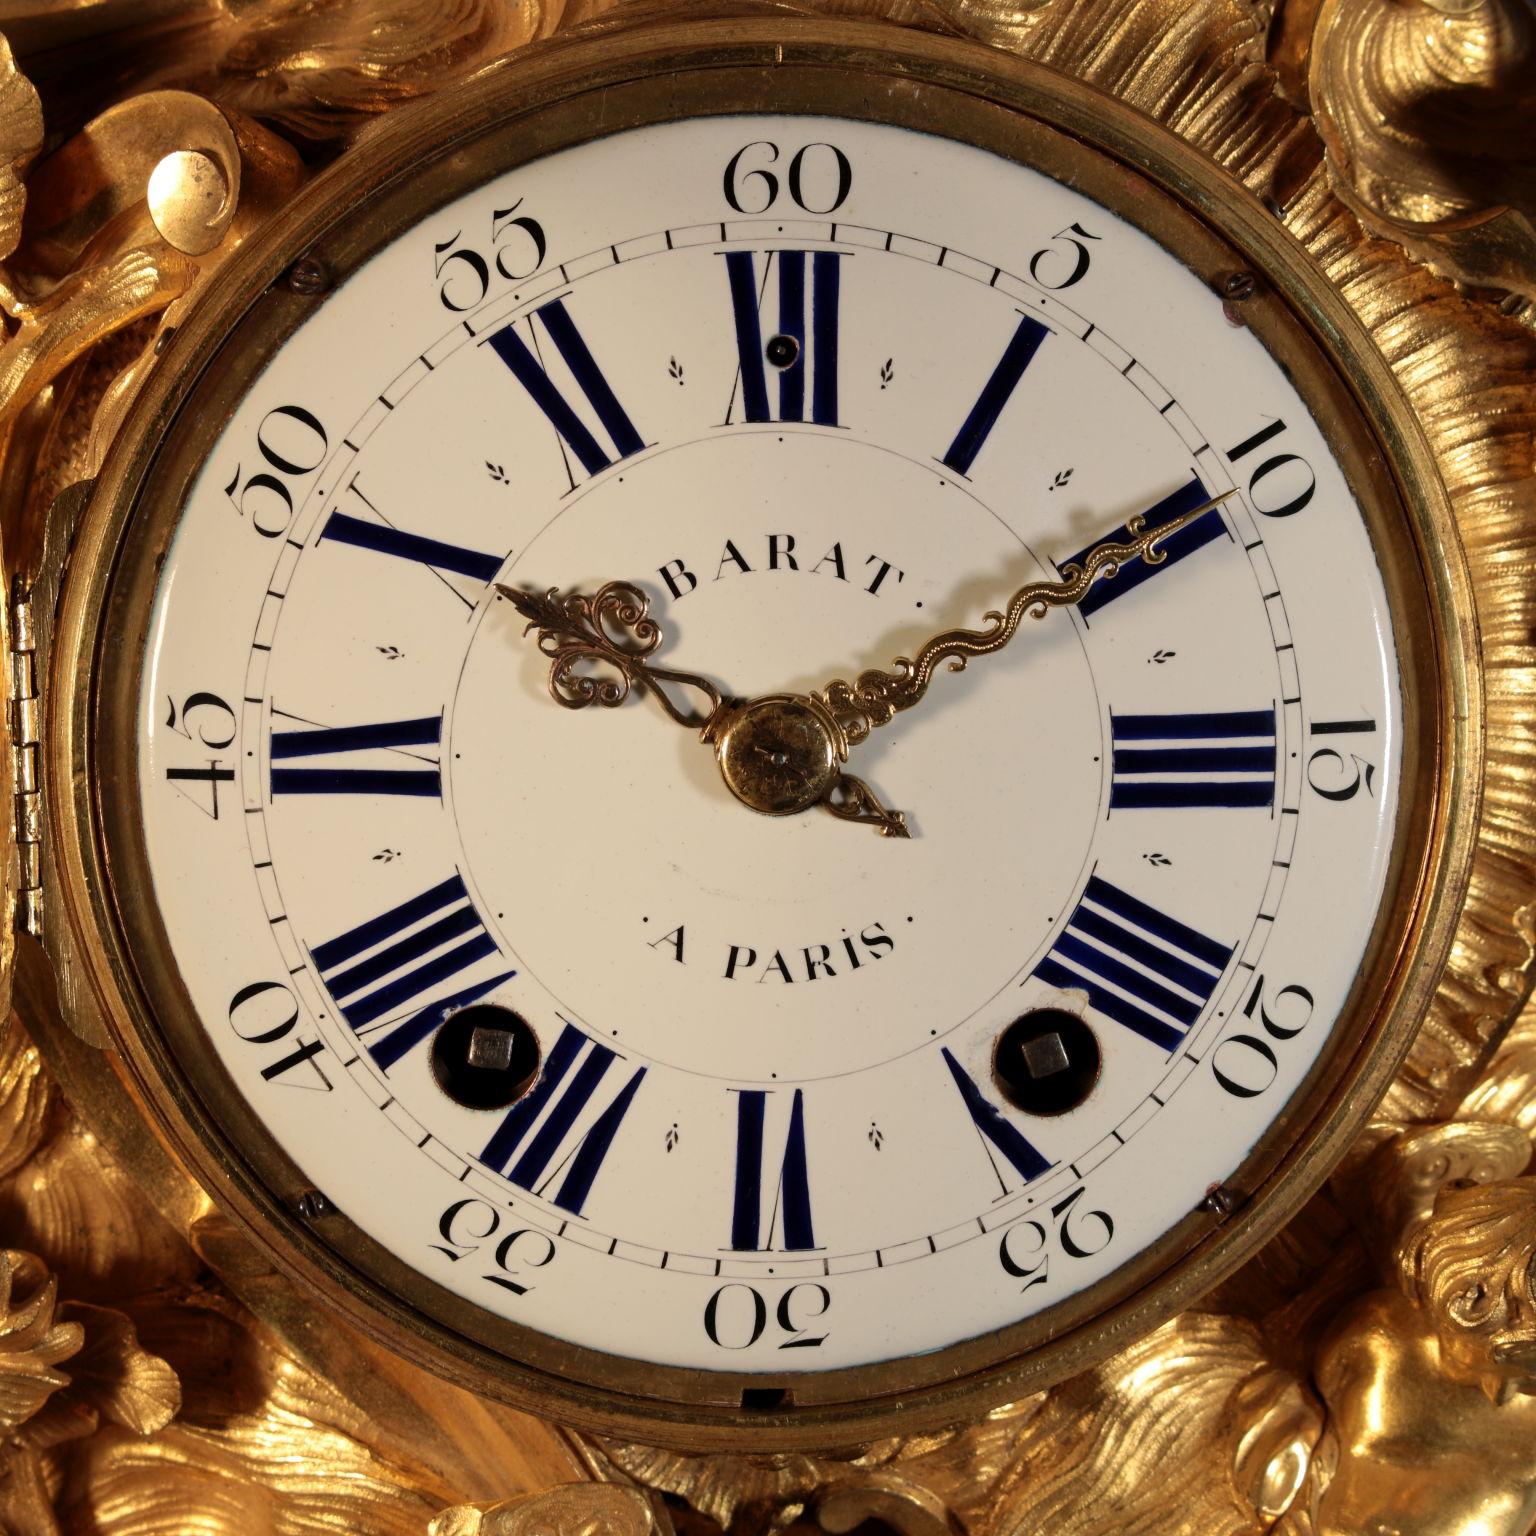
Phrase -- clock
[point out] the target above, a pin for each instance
(790, 347)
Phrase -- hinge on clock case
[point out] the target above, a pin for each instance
(24, 724)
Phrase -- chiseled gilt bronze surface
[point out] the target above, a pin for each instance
(1365, 1374)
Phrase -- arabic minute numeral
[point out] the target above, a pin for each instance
(468, 1226)
(737, 1316)
(1064, 247)
(821, 171)
(1246, 1064)
(292, 444)
(1288, 480)
(464, 274)
(1024, 1250)
(1329, 772)
(267, 1013)
(205, 720)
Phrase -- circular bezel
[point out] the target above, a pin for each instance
(416, 161)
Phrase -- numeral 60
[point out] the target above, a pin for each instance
(766, 192)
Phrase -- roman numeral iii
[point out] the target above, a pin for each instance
(1226, 758)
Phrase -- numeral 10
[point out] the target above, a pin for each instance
(1291, 491)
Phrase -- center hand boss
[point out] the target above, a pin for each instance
(782, 753)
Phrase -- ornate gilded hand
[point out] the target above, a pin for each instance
(859, 707)
(782, 753)
(613, 631)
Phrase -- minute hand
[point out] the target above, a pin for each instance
(877, 696)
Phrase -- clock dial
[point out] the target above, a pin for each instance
(538, 1006)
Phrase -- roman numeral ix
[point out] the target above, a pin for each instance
(342, 741)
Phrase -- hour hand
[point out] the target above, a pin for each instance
(599, 648)
(778, 755)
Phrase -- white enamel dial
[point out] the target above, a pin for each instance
(768, 1132)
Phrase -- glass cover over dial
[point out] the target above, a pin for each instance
(524, 991)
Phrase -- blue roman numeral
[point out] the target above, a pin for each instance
(563, 416)
(1225, 758)
(990, 1121)
(341, 528)
(393, 960)
(816, 361)
(557, 1100)
(323, 742)
(792, 1198)
(1138, 966)
(1179, 546)
(995, 394)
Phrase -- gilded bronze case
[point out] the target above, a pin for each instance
(415, 161)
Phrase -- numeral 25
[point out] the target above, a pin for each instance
(1025, 1248)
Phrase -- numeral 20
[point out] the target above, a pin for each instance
(467, 1225)
(1245, 1065)
(1024, 1249)
(736, 1316)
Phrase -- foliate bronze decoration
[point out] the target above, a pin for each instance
(1427, 1380)
(780, 754)
(21, 136)
(1426, 111)
(123, 222)
(1366, 1367)
(1196, 1427)
(581, 1509)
